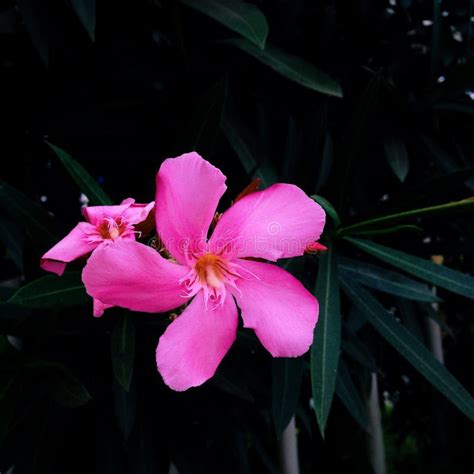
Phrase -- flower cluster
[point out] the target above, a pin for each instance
(209, 264)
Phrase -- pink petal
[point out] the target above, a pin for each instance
(193, 345)
(188, 191)
(73, 246)
(134, 276)
(94, 213)
(137, 213)
(282, 312)
(99, 308)
(279, 222)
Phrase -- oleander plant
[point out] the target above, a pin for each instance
(236, 236)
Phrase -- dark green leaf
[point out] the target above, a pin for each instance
(439, 275)
(387, 230)
(85, 11)
(292, 67)
(122, 348)
(410, 348)
(397, 157)
(36, 220)
(87, 184)
(385, 280)
(37, 19)
(465, 205)
(52, 291)
(125, 406)
(234, 389)
(409, 317)
(286, 383)
(354, 348)
(328, 208)
(349, 395)
(239, 16)
(69, 391)
(12, 238)
(203, 127)
(327, 336)
(326, 162)
(65, 388)
(246, 153)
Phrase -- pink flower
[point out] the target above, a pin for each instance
(215, 273)
(105, 225)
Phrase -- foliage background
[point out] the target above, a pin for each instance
(121, 86)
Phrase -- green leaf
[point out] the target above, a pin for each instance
(465, 205)
(292, 67)
(87, 184)
(387, 230)
(328, 208)
(327, 336)
(384, 280)
(64, 386)
(125, 407)
(12, 238)
(37, 20)
(286, 383)
(356, 349)
(452, 280)
(52, 291)
(69, 391)
(241, 17)
(246, 154)
(22, 209)
(203, 127)
(349, 396)
(397, 157)
(410, 348)
(122, 348)
(234, 389)
(85, 11)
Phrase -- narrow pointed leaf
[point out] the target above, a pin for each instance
(245, 151)
(122, 348)
(326, 346)
(241, 17)
(348, 394)
(286, 383)
(451, 280)
(465, 205)
(125, 407)
(201, 131)
(385, 280)
(292, 67)
(52, 291)
(69, 391)
(410, 348)
(12, 238)
(386, 230)
(87, 184)
(85, 11)
(356, 349)
(23, 210)
(329, 209)
(64, 386)
(397, 157)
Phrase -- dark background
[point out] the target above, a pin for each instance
(155, 83)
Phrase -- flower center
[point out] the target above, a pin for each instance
(211, 274)
(110, 228)
(211, 270)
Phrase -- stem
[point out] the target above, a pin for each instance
(289, 450)
(375, 438)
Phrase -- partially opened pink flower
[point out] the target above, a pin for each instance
(104, 225)
(214, 273)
